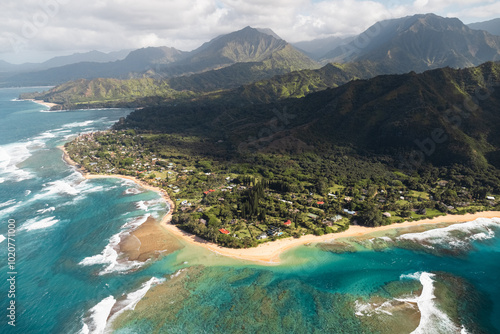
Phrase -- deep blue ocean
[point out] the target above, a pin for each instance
(68, 279)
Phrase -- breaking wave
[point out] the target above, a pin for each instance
(102, 315)
(432, 319)
(38, 224)
(95, 322)
(110, 255)
(454, 237)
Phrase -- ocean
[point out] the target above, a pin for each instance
(66, 276)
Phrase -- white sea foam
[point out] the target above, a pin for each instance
(95, 322)
(131, 300)
(12, 155)
(48, 110)
(8, 203)
(38, 224)
(72, 185)
(369, 309)
(141, 205)
(133, 191)
(27, 192)
(134, 223)
(11, 209)
(154, 206)
(110, 256)
(432, 319)
(2, 238)
(78, 124)
(177, 274)
(42, 211)
(457, 235)
(2, 180)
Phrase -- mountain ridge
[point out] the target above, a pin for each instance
(491, 26)
(419, 43)
(246, 45)
(388, 116)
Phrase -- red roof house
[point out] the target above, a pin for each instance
(288, 222)
(321, 203)
(223, 231)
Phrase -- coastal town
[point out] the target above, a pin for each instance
(236, 206)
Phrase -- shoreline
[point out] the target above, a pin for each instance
(43, 103)
(270, 252)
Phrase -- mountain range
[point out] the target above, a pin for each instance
(91, 56)
(268, 67)
(255, 93)
(441, 117)
(245, 46)
(419, 43)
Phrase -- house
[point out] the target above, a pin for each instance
(337, 218)
(288, 222)
(320, 203)
(262, 236)
(491, 198)
(224, 231)
(273, 231)
(387, 214)
(349, 212)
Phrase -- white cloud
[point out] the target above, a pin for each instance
(36, 27)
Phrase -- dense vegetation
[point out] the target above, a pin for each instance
(441, 117)
(301, 172)
(286, 82)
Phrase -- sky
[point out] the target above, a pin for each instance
(36, 30)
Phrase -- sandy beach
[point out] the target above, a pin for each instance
(47, 104)
(270, 252)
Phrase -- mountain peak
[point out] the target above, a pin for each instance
(435, 22)
(419, 42)
(269, 32)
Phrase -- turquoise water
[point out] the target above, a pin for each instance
(68, 278)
